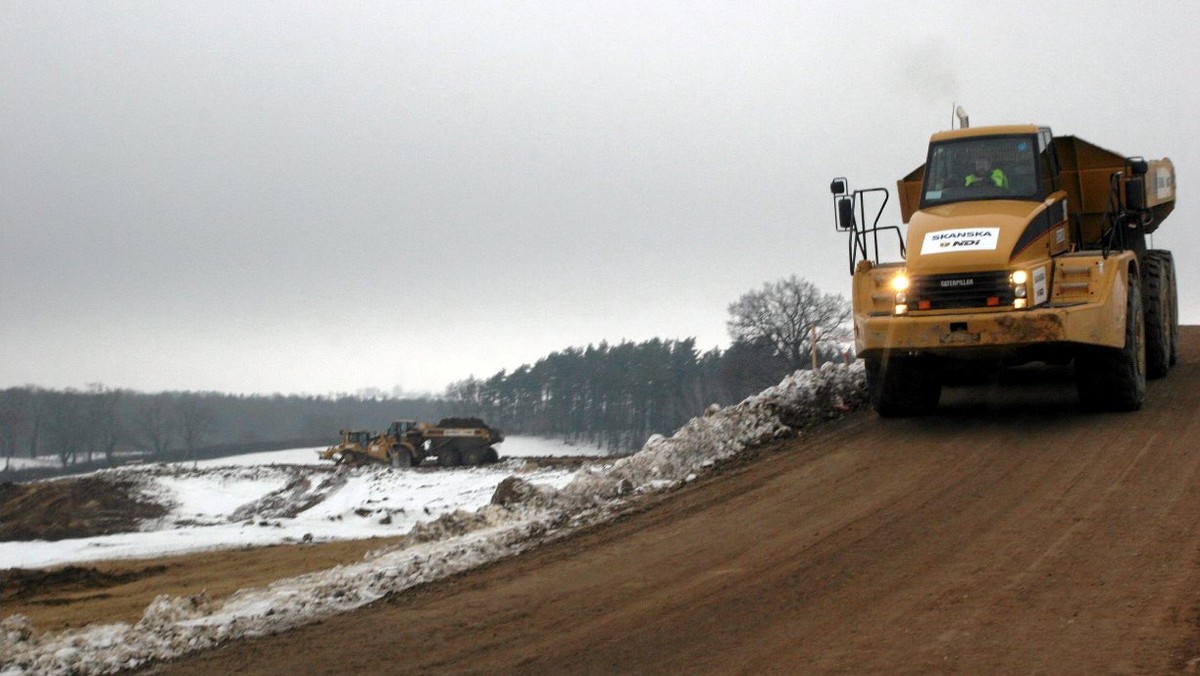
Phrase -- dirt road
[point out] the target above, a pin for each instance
(1010, 533)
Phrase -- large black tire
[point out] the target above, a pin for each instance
(449, 457)
(1114, 379)
(1156, 300)
(474, 455)
(400, 457)
(1173, 294)
(903, 386)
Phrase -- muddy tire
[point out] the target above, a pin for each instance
(475, 456)
(400, 457)
(449, 457)
(1156, 301)
(1173, 295)
(903, 386)
(1114, 379)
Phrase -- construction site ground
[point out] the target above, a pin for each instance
(1009, 533)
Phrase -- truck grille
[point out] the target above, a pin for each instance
(941, 292)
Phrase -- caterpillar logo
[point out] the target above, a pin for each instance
(957, 283)
(970, 239)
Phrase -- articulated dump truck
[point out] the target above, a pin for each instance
(1021, 247)
(407, 443)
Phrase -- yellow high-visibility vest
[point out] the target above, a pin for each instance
(997, 176)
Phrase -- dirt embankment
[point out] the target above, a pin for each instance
(1009, 533)
(72, 508)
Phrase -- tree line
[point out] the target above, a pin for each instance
(610, 395)
(102, 424)
(615, 396)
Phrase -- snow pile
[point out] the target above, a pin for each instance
(522, 515)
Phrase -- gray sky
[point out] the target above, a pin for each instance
(314, 197)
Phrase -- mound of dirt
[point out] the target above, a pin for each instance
(72, 508)
(463, 422)
(19, 583)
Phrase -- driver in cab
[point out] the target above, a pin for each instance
(985, 174)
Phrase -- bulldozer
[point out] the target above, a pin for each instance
(409, 443)
(1021, 247)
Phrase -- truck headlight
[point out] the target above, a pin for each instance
(900, 282)
(1019, 277)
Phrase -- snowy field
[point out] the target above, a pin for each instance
(291, 496)
(469, 531)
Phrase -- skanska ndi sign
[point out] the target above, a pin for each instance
(970, 239)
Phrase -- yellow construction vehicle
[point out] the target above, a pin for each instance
(406, 443)
(1022, 246)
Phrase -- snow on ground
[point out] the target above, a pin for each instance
(525, 447)
(17, 462)
(532, 510)
(357, 503)
(227, 504)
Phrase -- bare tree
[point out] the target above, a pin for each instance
(788, 314)
(66, 423)
(37, 417)
(103, 425)
(155, 423)
(14, 420)
(195, 419)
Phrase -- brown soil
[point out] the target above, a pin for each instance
(72, 508)
(120, 591)
(1009, 533)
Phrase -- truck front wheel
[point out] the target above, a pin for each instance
(1114, 379)
(903, 386)
(400, 457)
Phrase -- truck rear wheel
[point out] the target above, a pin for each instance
(1173, 296)
(1156, 299)
(449, 457)
(903, 386)
(1114, 379)
(475, 455)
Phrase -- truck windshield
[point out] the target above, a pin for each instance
(981, 168)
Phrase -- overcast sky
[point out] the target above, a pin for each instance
(320, 196)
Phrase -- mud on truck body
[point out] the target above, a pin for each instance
(1042, 257)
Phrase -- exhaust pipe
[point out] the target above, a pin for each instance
(963, 120)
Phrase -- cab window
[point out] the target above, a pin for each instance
(990, 167)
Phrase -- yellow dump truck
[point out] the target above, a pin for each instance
(405, 443)
(1021, 246)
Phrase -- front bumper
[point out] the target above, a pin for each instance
(960, 333)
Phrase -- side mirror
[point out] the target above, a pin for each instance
(845, 213)
(1135, 193)
(838, 187)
